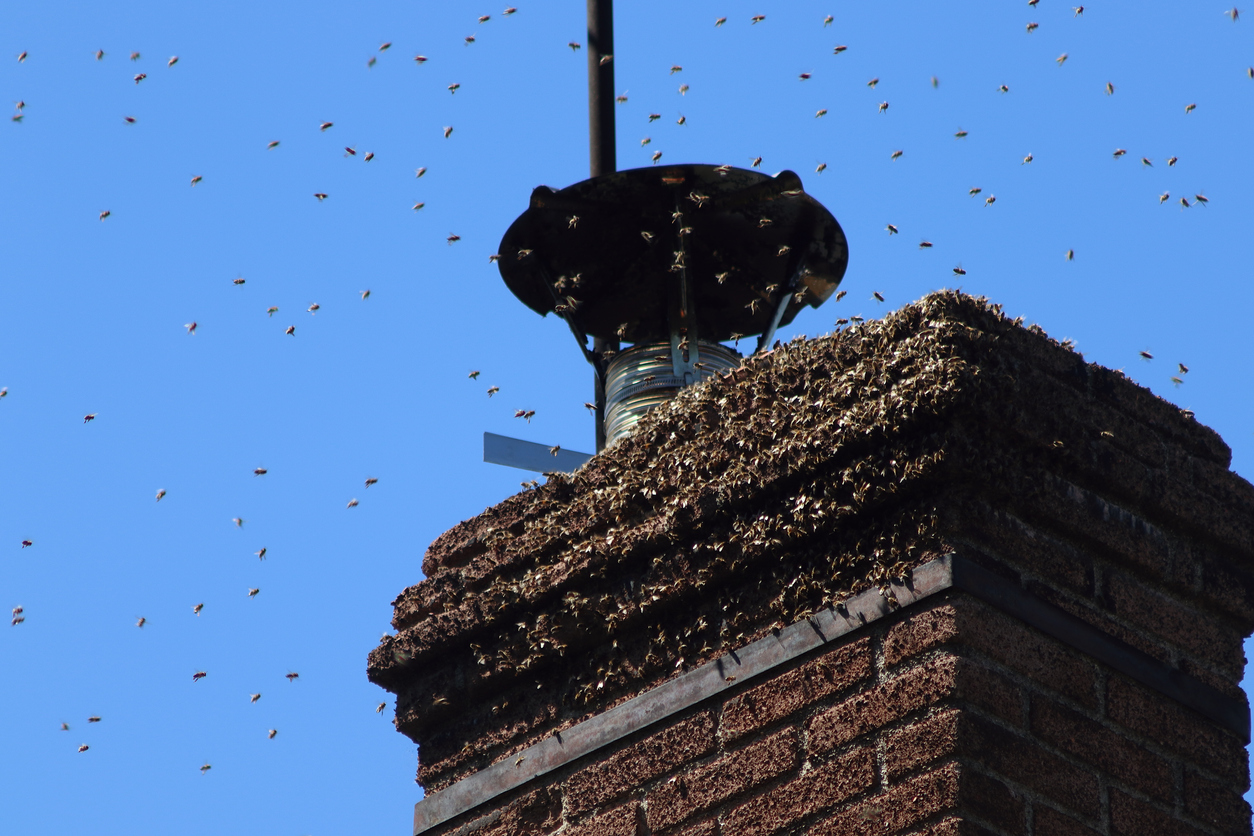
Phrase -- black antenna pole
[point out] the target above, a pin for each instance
(601, 148)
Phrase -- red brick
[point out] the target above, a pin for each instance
(900, 807)
(790, 692)
(709, 827)
(1004, 639)
(1175, 622)
(1057, 561)
(909, 691)
(1215, 805)
(821, 787)
(628, 769)
(1179, 730)
(535, 814)
(983, 687)
(735, 772)
(952, 826)
(621, 821)
(1047, 821)
(1123, 760)
(1010, 756)
(1130, 817)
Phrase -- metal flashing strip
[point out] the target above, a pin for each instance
(527, 455)
(760, 657)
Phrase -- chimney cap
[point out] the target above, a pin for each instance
(604, 252)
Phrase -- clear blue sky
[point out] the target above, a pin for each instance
(93, 314)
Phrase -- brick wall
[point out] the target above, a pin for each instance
(951, 718)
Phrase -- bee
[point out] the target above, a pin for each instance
(935, 82)
(764, 222)
(196, 608)
(877, 296)
(253, 697)
(160, 494)
(1145, 161)
(820, 168)
(91, 416)
(723, 170)
(1079, 10)
(752, 21)
(657, 155)
(990, 200)
(273, 144)
(574, 47)
(272, 310)
(141, 622)
(509, 11)
(784, 250)
(1162, 198)
(720, 22)
(18, 610)
(621, 98)
(352, 152)
(418, 206)
(1202, 199)
(292, 676)
(453, 238)
(1184, 203)
(681, 120)
(385, 46)
(752, 306)
(469, 39)
(1183, 368)
(1003, 88)
(65, 727)
(605, 59)
(591, 407)
(369, 156)
(873, 82)
(896, 154)
(700, 199)
(18, 619)
(804, 76)
(961, 134)
(83, 748)
(238, 280)
(839, 49)
(1176, 381)
(130, 120)
(134, 56)
(325, 125)
(1110, 89)
(924, 245)
(260, 471)
(418, 172)
(958, 271)
(1171, 161)
(1061, 59)
(314, 308)
(270, 734)
(1189, 108)
(205, 769)
(1032, 27)
(174, 59)
(523, 254)
(252, 591)
(191, 327)
(1145, 355)
(93, 719)
(494, 258)
(321, 196)
(106, 213)
(452, 88)
(100, 53)
(371, 61)
(352, 503)
(420, 59)
(140, 77)
(722, 277)
(26, 544)
(555, 449)
(261, 553)
(827, 21)
(1070, 255)
(883, 106)
(198, 675)
(291, 331)
(448, 131)
(645, 141)
(196, 179)
(1026, 160)
(529, 414)
(757, 162)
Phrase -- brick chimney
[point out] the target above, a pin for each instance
(931, 575)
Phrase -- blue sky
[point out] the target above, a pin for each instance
(93, 315)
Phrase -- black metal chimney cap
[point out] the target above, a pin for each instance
(603, 252)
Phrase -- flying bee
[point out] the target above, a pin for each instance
(197, 179)
(292, 676)
(197, 608)
(555, 449)
(783, 250)
(820, 168)
(141, 622)
(896, 154)
(974, 192)
(325, 125)
(605, 59)
(839, 49)
(272, 310)
(260, 471)
(827, 21)
(88, 418)
(1171, 161)
(523, 254)
(1027, 160)
(990, 200)
(321, 196)
(272, 144)
(1145, 355)
(1032, 27)
(352, 503)
(923, 245)
(261, 553)
(1061, 59)
(1003, 88)
(453, 238)
(418, 206)
(958, 271)
(379, 708)
(961, 134)
(681, 120)
(574, 46)
(1070, 255)
(841, 295)
(645, 141)
(804, 76)
(469, 39)
(130, 120)
(191, 327)
(621, 98)
(1176, 381)
(764, 222)
(757, 162)
(653, 117)
(494, 258)
(877, 296)
(314, 308)
(140, 77)
(291, 331)
(238, 280)
(106, 213)
(100, 53)
(452, 88)
(418, 172)
(205, 768)
(1202, 199)
(752, 21)
(1184, 203)
(83, 748)
(1183, 368)
(420, 59)
(198, 675)
(892, 230)
(371, 481)
(93, 719)
(657, 155)
(270, 734)
(509, 11)
(1162, 198)
(572, 221)
(1146, 162)
(252, 591)
(1189, 108)
(720, 21)
(160, 494)
(883, 106)
(722, 277)
(448, 131)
